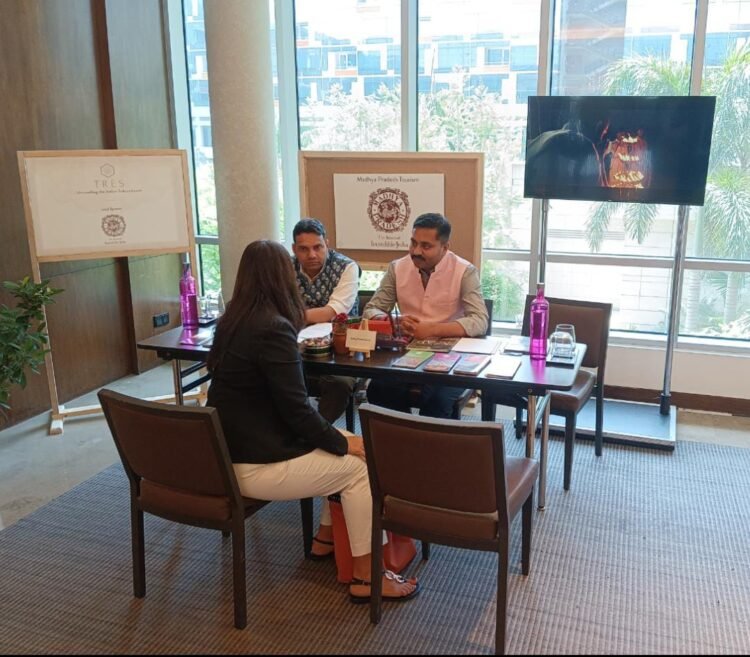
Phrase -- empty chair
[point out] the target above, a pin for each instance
(178, 465)
(447, 482)
(591, 321)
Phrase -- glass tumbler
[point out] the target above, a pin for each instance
(563, 341)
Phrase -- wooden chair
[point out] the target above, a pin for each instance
(178, 465)
(447, 482)
(591, 321)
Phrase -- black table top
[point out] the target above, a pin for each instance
(532, 377)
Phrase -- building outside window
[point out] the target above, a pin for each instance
(477, 63)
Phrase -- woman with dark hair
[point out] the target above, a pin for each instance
(281, 447)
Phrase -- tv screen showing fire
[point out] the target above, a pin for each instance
(648, 149)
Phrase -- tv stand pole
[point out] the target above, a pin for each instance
(674, 309)
(543, 241)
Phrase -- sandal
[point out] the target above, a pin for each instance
(363, 599)
(321, 557)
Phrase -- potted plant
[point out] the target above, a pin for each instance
(23, 335)
(341, 323)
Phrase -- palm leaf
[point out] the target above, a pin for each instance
(598, 222)
(639, 218)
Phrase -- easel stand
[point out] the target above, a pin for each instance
(72, 188)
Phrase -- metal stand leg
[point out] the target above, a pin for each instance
(542, 494)
(530, 426)
(177, 373)
(538, 405)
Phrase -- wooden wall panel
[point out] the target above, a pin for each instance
(140, 91)
(154, 286)
(51, 100)
(83, 74)
(91, 309)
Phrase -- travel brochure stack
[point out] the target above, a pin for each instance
(467, 356)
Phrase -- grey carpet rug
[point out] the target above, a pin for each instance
(647, 554)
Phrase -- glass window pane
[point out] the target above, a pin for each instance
(349, 74)
(477, 66)
(200, 116)
(506, 283)
(370, 279)
(629, 229)
(634, 47)
(639, 295)
(721, 229)
(210, 270)
(716, 303)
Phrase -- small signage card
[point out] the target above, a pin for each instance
(361, 340)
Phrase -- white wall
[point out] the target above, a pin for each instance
(696, 372)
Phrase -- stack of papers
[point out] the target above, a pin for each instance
(502, 367)
(486, 345)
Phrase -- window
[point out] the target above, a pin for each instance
(477, 63)
(346, 60)
(496, 56)
(465, 105)
(361, 111)
(716, 290)
(593, 54)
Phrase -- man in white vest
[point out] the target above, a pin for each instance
(439, 295)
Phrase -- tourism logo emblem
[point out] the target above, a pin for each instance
(389, 209)
(113, 225)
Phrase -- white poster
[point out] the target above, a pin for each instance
(377, 210)
(110, 204)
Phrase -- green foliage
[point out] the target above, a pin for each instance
(507, 294)
(722, 226)
(23, 336)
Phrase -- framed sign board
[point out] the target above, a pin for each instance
(450, 183)
(81, 205)
(97, 204)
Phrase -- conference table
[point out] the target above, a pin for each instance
(534, 380)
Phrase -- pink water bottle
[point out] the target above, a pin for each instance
(188, 299)
(539, 316)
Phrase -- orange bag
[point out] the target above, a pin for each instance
(397, 553)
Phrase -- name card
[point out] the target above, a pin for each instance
(360, 340)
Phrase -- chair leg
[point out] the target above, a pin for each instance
(306, 507)
(502, 597)
(376, 566)
(519, 422)
(139, 554)
(570, 438)
(598, 437)
(527, 518)
(425, 550)
(238, 573)
(350, 413)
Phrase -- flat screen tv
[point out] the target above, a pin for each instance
(647, 149)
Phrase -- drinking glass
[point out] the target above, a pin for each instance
(563, 341)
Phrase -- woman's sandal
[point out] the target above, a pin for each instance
(321, 557)
(362, 599)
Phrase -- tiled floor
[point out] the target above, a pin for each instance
(36, 467)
